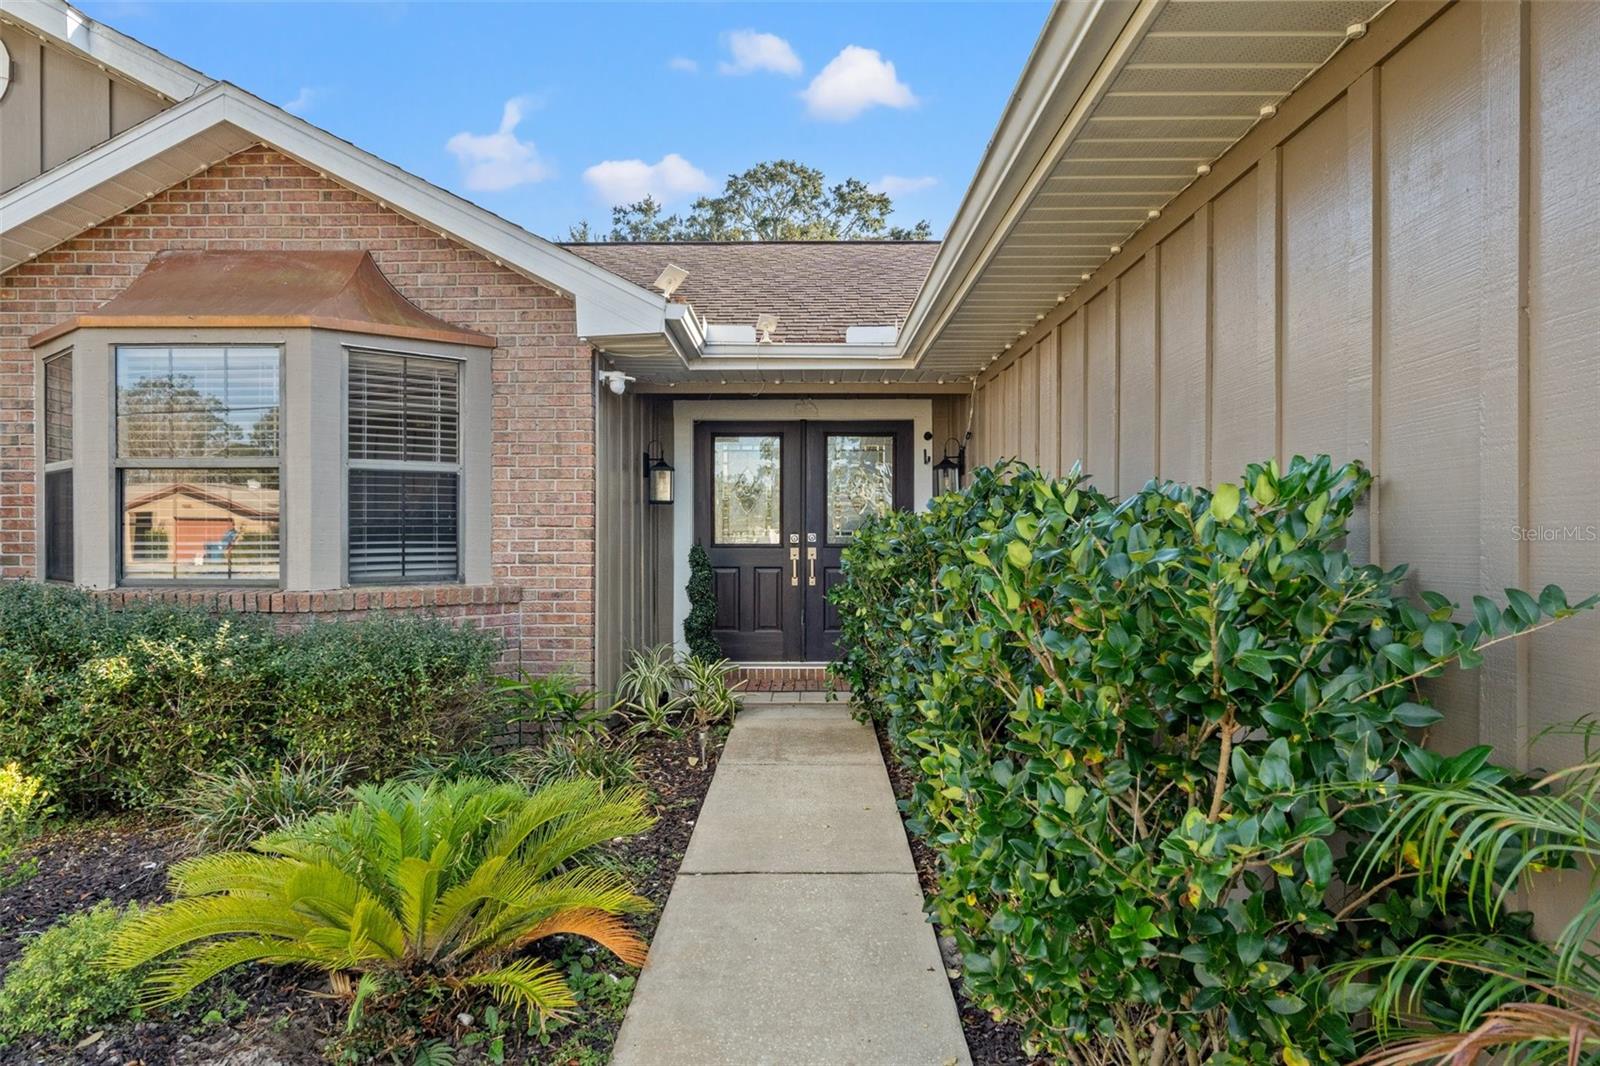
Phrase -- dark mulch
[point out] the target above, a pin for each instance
(991, 1043)
(279, 1017)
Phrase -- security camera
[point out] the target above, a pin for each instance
(615, 380)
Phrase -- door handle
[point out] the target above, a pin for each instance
(794, 566)
(811, 566)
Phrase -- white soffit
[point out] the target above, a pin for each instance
(207, 128)
(1183, 82)
(103, 46)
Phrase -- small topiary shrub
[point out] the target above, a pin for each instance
(60, 986)
(699, 628)
(1151, 736)
(121, 708)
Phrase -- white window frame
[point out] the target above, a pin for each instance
(119, 464)
(417, 466)
(47, 466)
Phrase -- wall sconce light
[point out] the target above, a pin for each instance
(657, 475)
(947, 472)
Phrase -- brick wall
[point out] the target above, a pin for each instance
(543, 476)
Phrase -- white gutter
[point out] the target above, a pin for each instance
(103, 46)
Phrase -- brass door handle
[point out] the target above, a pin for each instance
(794, 566)
(811, 566)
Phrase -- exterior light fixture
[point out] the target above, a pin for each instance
(1268, 110)
(657, 475)
(1203, 169)
(948, 471)
(1115, 248)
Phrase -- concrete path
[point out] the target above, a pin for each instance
(794, 934)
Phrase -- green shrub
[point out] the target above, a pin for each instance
(699, 628)
(60, 987)
(1149, 734)
(429, 893)
(24, 805)
(231, 807)
(647, 692)
(121, 708)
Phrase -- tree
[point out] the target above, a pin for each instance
(780, 200)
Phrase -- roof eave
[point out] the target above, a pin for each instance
(223, 119)
(1080, 49)
(105, 47)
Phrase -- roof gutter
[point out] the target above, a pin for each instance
(1080, 50)
(103, 46)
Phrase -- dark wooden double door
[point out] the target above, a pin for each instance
(775, 504)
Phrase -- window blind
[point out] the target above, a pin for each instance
(404, 480)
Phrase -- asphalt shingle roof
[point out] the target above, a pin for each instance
(816, 288)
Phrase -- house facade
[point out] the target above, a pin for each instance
(244, 362)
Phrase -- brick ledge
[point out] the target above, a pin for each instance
(277, 601)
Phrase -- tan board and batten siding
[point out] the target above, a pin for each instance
(59, 105)
(1348, 281)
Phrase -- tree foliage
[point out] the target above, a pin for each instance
(699, 628)
(1150, 736)
(781, 200)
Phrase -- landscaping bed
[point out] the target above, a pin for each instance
(261, 1015)
(991, 1043)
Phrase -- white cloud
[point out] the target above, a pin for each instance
(303, 101)
(854, 80)
(895, 185)
(754, 51)
(683, 64)
(625, 181)
(494, 162)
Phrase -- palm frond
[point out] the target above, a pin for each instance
(1531, 1032)
(607, 930)
(536, 989)
(158, 930)
(190, 970)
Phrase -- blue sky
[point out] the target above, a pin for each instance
(547, 113)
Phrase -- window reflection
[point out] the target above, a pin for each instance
(860, 481)
(747, 490)
(200, 524)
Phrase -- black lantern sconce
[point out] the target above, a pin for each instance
(948, 472)
(657, 475)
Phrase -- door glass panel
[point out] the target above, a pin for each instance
(860, 481)
(747, 489)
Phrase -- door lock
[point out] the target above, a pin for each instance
(811, 566)
(794, 567)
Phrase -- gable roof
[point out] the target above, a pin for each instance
(224, 119)
(818, 289)
(341, 290)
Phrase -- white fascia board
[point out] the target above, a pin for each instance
(1081, 48)
(607, 305)
(105, 47)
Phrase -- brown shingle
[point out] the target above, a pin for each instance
(816, 288)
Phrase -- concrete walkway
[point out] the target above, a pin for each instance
(794, 933)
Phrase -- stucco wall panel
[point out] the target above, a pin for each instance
(1244, 395)
(1184, 397)
(1100, 383)
(1136, 346)
(1563, 425)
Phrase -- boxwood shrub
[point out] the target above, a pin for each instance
(1149, 735)
(119, 708)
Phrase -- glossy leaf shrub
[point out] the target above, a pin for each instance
(1149, 735)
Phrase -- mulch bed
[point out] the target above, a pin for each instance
(260, 1016)
(991, 1043)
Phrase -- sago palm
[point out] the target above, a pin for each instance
(1537, 1003)
(442, 885)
